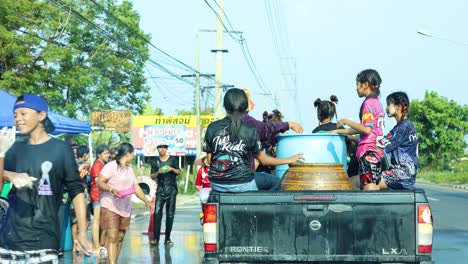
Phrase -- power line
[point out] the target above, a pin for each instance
(244, 48)
(222, 23)
(120, 42)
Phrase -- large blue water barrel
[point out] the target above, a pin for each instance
(317, 148)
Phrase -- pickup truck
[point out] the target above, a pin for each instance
(317, 224)
(318, 227)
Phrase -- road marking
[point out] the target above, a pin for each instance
(433, 199)
(443, 187)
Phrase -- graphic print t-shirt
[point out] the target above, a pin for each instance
(33, 213)
(229, 160)
(402, 145)
(372, 115)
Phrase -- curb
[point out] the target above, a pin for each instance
(456, 186)
(445, 185)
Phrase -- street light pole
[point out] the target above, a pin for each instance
(428, 34)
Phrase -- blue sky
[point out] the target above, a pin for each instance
(330, 41)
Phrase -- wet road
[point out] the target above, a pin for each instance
(186, 235)
(450, 245)
(450, 212)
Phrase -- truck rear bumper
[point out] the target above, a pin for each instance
(213, 259)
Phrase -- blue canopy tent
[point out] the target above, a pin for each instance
(63, 125)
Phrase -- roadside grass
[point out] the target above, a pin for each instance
(458, 173)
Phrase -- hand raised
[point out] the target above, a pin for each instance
(7, 138)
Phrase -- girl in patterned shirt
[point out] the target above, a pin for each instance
(370, 129)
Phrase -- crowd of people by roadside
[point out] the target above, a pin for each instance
(240, 155)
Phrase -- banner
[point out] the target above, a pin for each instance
(173, 136)
(112, 120)
(186, 120)
(179, 131)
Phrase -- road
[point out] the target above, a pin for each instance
(450, 212)
(449, 208)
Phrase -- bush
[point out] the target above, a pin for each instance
(456, 173)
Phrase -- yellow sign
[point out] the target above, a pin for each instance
(187, 120)
(112, 120)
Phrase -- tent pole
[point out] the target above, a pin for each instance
(90, 146)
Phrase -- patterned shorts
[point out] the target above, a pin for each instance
(398, 178)
(370, 168)
(8, 256)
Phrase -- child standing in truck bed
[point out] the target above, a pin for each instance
(370, 129)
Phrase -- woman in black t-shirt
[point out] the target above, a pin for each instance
(229, 142)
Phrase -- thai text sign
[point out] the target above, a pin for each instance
(112, 120)
(173, 136)
(149, 129)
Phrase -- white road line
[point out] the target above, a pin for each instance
(432, 199)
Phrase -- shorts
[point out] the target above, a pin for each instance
(96, 204)
(370, 168)
(28, 257)
(398, 178)
(112, 220)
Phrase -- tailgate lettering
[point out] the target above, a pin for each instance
(394, 251)
(244, 249)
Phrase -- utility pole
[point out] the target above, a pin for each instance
(197, 94)
(219, 60)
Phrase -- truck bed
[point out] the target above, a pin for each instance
(317, 226)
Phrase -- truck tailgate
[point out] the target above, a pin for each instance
(317, 226)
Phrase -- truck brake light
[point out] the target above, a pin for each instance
(425, 229)
(210, 213)
(210, 227)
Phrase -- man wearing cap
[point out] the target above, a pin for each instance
(165, 170)
(39, 170)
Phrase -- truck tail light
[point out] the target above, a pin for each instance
(210, 229)
(424, 229)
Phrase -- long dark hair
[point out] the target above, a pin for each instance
(122, 150)
(101, 148)
(373, 79)
(401, 99)
(236, 104)
(326, 109)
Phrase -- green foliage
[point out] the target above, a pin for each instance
(457, 173)
(74, 53)
(441, 125)
(207, 111)
(148, 110)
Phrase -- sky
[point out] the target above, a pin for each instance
(325, 44)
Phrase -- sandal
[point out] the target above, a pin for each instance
(101, 252)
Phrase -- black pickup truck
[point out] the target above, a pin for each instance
(318, 227)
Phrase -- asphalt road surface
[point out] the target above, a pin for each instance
(450, 244)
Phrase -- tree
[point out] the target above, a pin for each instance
(148, 110)
(79, 55)
(441, 125)
(207, 111)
